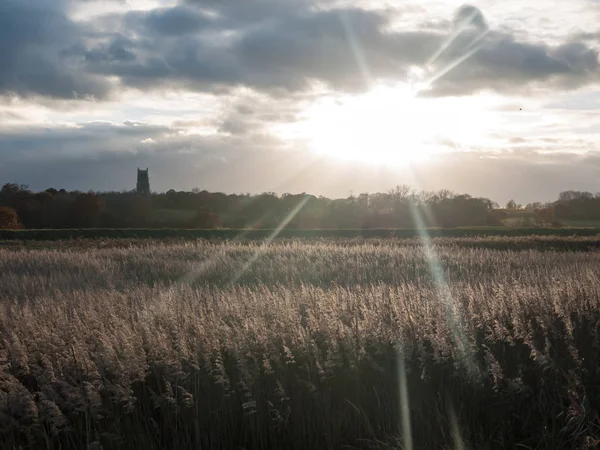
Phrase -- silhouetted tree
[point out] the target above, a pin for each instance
(85, 211)
(533, 206)
(140, 212)
(545, 216)
(400, 207)
(568, 196)
(9, 220)
(206, 219)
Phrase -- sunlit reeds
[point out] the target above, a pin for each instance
(109, 348)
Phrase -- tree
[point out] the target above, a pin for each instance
(141, 208)
(567, 196)
(85, 210)
(445, 194)
(9, 189)
(400, 192)
(533, 206)
(545, 216)
(205, 219)
(489, 204)
(511, 204)
(9, 220)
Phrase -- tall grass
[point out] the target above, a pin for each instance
(173, 346)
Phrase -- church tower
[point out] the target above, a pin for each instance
(143, 182)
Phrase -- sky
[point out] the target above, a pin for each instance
(331, 97)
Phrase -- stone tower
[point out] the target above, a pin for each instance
(143, 182)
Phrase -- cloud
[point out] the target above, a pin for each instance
(103, 155)
(53, 144)
(506, 65)
(288, 52)
(32, 35)
(175, 21)
(467, 16)
(236, 13)
(9, 115)
(251, 115)
(588, 36)
(115, 51)
(45, 157)
(278, 47)
(293, 45)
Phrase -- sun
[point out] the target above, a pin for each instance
(387, 125)
(383, 126)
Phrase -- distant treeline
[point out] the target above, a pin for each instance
(401, 207)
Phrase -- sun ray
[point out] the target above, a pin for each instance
(443, 290)
(435, 267)
(357, 52)
(193, 274)
(464, 24)
(260, 249)
(404, 403)
(472, 48)
(454, 428)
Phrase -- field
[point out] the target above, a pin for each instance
(249, 234)
(463, 343)
(582, 223)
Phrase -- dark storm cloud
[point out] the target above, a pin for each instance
(328, 46)
(287, 45)
(32, 35)
(286, 52)
(115, 51)
(498, 61)
(506, 65)
(268, 45)
(176, 21)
